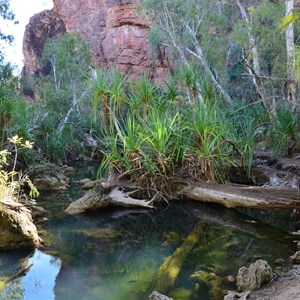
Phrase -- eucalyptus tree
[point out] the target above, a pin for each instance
(59, 117)
(253, 64)
(185, 26)
(68, 59)
(290, 49)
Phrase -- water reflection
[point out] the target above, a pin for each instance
(116, 254)
(27, 275)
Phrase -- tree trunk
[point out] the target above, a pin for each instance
(290, 48)
(169, 270)
(102, 196)
(255, 70)
(229, 195)
(235, 195)
(199, 55)
(168, 27)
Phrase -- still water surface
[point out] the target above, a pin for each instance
(115, 254)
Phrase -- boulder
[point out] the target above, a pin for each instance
(255, 276)
(49, 177)
(46, 182)
(16, 227)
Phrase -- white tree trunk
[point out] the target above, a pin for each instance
(254, 69)
(169, 28)
(290, 48)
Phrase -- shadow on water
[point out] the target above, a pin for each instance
(115, 254)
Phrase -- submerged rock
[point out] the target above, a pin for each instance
(16, 228)
(212, 280)
(158, 296)
(255, 276)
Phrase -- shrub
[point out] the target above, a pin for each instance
(11, 181)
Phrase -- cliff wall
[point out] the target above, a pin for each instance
(117, 35)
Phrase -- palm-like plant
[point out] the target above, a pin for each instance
(285, 132)
(160, 131)
(209, 146)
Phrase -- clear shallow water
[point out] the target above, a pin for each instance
(115, 254)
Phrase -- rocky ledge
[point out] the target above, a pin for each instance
(17, 230)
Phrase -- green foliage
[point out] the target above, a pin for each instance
(60, 119)
(285, 133)
(10, 187)
(296, 62)
(210, 146)
(151, 132)
(8, 97)
(70, 60)
(248, 126)
(160, 136)
(221, 32)
(6, 14)
(285, 22)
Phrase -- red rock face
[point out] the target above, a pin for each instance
(41, 27)
(116, 33)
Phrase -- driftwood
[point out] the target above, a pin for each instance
(233, 195)
(229, 195)
(169, 270)
(102, 196)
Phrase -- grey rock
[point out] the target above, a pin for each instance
(231, 295)
(255, 276)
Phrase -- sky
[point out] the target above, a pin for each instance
(23, 9)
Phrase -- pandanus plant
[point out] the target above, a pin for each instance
(109, 91)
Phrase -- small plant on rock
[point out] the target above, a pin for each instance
(11, 181)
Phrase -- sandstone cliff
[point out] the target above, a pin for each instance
(41, 26)
(116, 33)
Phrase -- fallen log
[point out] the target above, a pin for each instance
(229, 195)
(169, 270)
(234, 195)
(102, 196)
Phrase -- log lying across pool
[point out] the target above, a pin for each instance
(229, 195)
(233, 195)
